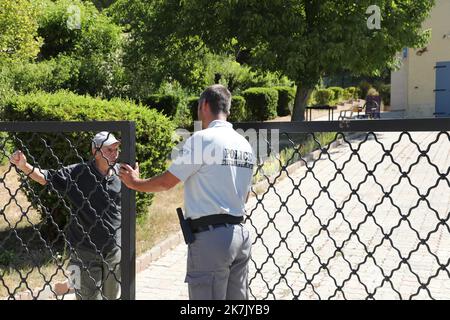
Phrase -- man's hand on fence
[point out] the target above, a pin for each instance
(18, 159)
(128, 175)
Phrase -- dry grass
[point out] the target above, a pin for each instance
(162, 219)
(15, 260)
(36, 280)
(14, 202)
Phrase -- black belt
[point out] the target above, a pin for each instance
(213, 221)
(210, 227)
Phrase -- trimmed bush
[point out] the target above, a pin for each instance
(192, 104)
(164, 103)
(351, 93)
(237, 112)
(338, 93)
(183, 116)
(153, 138)
(238, 109)
(358, 93)
(286, 96)
(261, 103)
(5, 147)
(324, 96)
(50, 76)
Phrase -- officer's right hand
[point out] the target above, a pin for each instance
(18, 159)
(128, 175)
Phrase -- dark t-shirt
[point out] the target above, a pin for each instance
(95, 204)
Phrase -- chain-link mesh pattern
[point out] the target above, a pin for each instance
(60, 240)
(364, 216)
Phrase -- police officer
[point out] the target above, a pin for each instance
(216, 167)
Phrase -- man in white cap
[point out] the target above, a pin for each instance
(93, 231)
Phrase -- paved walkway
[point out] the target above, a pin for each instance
(287, 245)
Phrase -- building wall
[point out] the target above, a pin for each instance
(420, 75)
(399, 87)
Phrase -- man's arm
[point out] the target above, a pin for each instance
(130, 177)
(20, 161)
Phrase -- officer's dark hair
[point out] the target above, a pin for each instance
(218, 98)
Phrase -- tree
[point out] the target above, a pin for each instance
(102, 4)
(303, 39)
(157, 52)
(76, 34)
(154, 53)
(18, 31)
(76, 27)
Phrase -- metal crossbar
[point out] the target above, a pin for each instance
(362, 215)
(32, 259)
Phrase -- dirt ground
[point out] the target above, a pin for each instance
(13, 202)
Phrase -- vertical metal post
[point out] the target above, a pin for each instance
(128, 262)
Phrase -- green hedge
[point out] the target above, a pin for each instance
(153, 136)
(165, 103)
(286, 96)
(183, 117)
(261, 103)
(351, 93)
(238, 109)
(338, 93)
(192, 103)
(5, 148)
(52, 75)
(237, 112)
(324, 96)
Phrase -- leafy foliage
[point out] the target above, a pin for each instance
(18, 31)
(304, 40)
(153, 135)
(238, 109)
(261, 103)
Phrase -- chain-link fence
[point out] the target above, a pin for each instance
(352, 210)
(67, 226)
(346, 210)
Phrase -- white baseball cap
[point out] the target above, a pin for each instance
(104, 139)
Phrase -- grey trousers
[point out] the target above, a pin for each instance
(98, 277)
(217, 264)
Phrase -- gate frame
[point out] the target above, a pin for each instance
(128, 197)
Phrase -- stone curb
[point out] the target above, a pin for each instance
(143, 261)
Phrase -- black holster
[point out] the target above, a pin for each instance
(185, 227)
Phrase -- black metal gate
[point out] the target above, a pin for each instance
(31, 260)
(352, 210)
